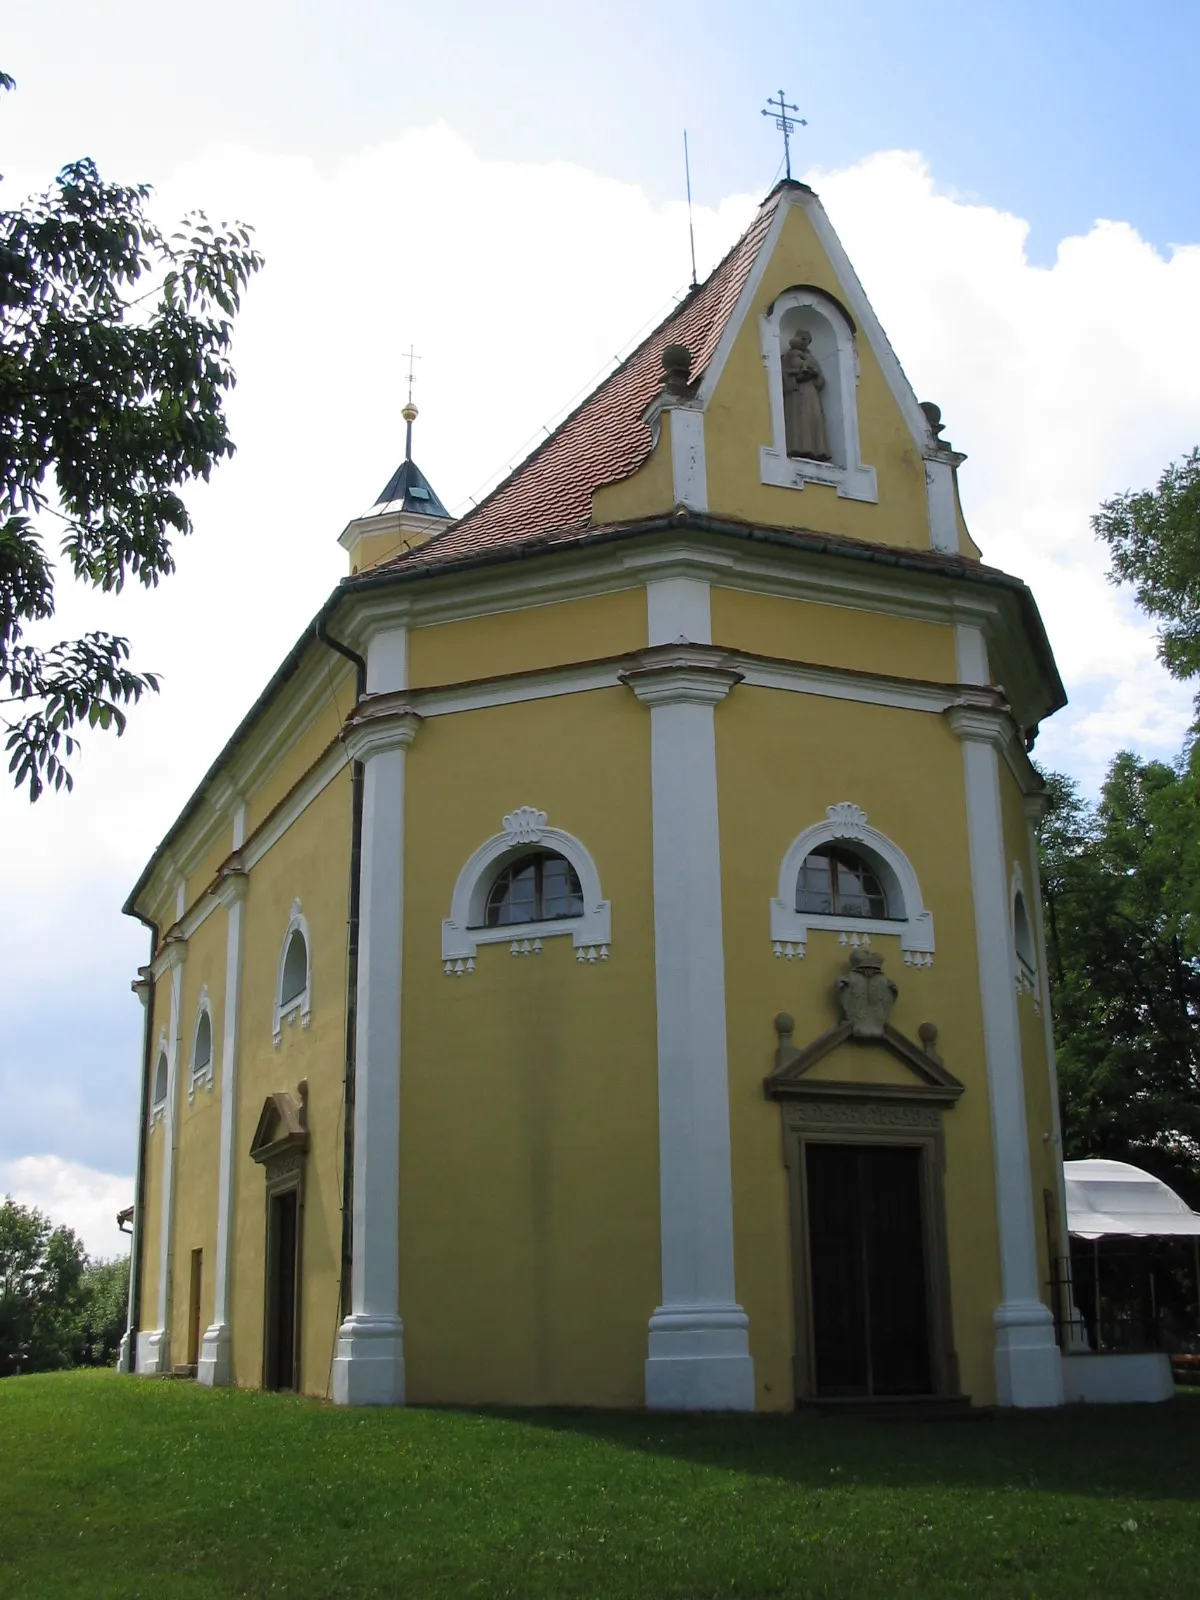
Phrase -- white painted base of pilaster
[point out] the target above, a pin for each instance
(125, 1353)
(153, 1353)
(214, 1369)
(699, 1359)
(1028, 1364)
(1142, 1379)
(368, 1369)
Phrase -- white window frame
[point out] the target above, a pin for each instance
(300, 1005)
(846, 823)
(524, 829)
(158, 1108)
(835, 346)
(1025, 971)
(202, 1077)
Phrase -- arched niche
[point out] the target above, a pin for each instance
(835, 350)
(908, 919)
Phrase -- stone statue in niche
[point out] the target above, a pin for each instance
(865, 996)
(803, 413)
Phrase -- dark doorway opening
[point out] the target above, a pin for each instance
(867, 1270)
(197, 1280)
(281, 1363)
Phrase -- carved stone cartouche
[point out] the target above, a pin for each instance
(865, 995)
(803, 413)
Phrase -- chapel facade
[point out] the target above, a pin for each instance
(605, 966)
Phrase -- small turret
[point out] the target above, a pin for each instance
(406, 514)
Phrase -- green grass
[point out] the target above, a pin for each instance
(112, 1487)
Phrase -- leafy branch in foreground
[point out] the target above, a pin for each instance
(111, 399)
(1154, 539)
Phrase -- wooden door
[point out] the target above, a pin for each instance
(867, 1270)
(282, 1330)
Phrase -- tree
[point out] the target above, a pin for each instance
(1154, 539)
(41, 1291)
(102, 1314)
(114, 370)
(1120, 882)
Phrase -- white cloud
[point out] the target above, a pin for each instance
(72, 1195)
(518, 283)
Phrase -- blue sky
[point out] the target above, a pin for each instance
(478, 178)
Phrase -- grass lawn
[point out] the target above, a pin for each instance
(118, 1487)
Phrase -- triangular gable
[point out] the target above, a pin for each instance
(606, 438)
(931, 1079)
(282, 1125)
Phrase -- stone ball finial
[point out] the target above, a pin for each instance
(933, 416)
(785, 1025)
(677, 364)
(927, 1033)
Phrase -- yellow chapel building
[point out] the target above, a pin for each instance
(605, 966)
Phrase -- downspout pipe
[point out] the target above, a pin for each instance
(356, 824)
(134, 1320)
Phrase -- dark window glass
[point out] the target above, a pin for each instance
(836, 883)
(203, 1052)
(534, 888)
(295, 969)
(160, 1081)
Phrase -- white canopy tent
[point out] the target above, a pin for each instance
(1111, 1197)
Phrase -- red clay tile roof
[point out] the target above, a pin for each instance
(604, 439)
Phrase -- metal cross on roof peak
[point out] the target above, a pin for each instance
(411, 356)
(779, 110)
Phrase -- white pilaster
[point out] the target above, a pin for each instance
(1028, 1368)
(142, 986)
(699, 1356)
(215, 1366)
(679, 609)
(689, 472)
(154, 1344)
(368, 1367)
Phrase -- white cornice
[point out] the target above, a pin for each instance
(231, 885)
(381, 723)
(687, 675)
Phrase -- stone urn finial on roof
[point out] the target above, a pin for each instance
(677, 366)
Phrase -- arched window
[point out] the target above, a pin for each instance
(538, 887)
(846, 877)
(295, 969)
(158, 1102)
(293, 994)
(835, 882)
(1024, 947)
(528, 883)
(202, 1050)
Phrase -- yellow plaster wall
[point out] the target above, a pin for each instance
(538, 637)
(307, 749)
(205, 869)
(311, 862)
(529, 1231)
(782, 759)
(648, 490)
(738, 422)
(833, 636)
(197, 1153)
